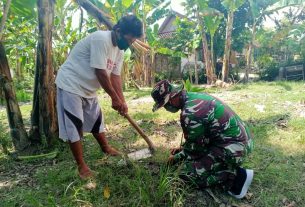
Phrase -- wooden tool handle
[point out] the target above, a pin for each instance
(139, 130)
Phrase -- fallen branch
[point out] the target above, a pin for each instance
(217, 200)
(50, 155)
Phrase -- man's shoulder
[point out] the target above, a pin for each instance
(196, 105)
(101, 35)
(199, 95)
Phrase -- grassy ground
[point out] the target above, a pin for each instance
(275, 112)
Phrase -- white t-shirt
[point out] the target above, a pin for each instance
(96, 51)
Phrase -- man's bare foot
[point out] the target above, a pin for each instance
(110, 151)
(84, 172)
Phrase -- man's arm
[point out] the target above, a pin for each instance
(105, 82)
(116, 82)
(194, 130)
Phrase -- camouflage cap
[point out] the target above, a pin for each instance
(162, 92)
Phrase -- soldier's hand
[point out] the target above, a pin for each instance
(170, 160)
(174, 151)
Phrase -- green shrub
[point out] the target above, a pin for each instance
(202, 79)
(24, 88)
(268, 68)
(190, 88)
(23, 95)
(5, 141)
(26, 83)
(161, 76)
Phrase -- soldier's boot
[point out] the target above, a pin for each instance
(241, 183)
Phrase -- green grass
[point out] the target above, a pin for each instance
(278, 158)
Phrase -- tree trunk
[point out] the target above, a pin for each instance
(18, 64)
(4, 17)
(148, 66)
(207, 59)
(206, 52)
(249, 54)
(153, 68)
(189, 69)
(195, 67)
(17, 130)
(212, 56)
(226, 58)
(44, 118)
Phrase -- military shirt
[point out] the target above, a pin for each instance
(207, 121)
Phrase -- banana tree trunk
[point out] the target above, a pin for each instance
(4, 17)
(44, 118)
(195, 67)
(249, 54)
(17, 130)
(206, 53)
(18, 65)
(207, 59)
(189, 69)
(153, 68)
(212, 56)
(226, 58)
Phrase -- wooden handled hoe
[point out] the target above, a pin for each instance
(143, 153)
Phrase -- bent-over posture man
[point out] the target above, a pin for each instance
(94, 62)
(216, 139)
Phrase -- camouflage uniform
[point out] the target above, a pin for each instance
(216, 141)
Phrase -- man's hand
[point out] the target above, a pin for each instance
(124, 109)
(117, 105)
(104, 80)
(120, 106)
(117, 86)
(174, 151)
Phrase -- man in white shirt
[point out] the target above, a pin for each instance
(94, 62)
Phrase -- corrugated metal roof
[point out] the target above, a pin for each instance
(166, 34)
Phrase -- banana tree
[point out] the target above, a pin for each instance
(212, 23)
(64, 34)
(199, 9)
(20, 43)
(231, 6)
(175, 48)
(195, 45)
(44, 117)
(259, 10)
(17, 130)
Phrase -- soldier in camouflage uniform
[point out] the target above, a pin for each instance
(216, 139)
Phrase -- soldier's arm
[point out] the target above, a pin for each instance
(180, 156)
(194, 129)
